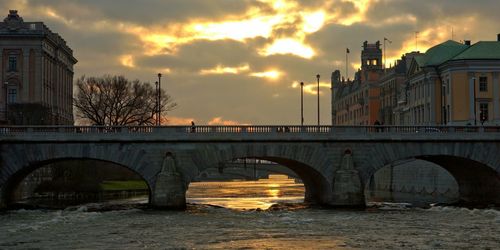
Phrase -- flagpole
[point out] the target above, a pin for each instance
(385, 61)
(385, 53)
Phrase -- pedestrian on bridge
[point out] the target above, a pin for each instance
(193, 127)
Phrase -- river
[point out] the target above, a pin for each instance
(241, 215)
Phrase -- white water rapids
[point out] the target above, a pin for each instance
(288, 227)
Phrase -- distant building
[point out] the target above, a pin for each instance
(393, 89)
(357, 102)
(36, 73)
(454, 84)
(391, 83)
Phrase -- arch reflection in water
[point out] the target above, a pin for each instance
(239, 194)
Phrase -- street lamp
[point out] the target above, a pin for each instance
(301, 103)
(444, 110)
(475, 118)
(159, 99)
(6, 84)
(317, 77)
(156, 104)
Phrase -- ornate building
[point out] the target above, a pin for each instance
(392, 84)
(36, 69)
(454, 84)
(357, 102)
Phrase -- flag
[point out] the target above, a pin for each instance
(385, 39)
(347, 51)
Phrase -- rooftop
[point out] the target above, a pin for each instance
(481, 50)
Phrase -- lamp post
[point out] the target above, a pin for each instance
(475, 118)
(317, 77)
(156, 104)
(301, 103)
(159, 99)
(6, 85)
(443, 96)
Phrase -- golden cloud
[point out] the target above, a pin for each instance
(219, 121)
(271, 74)
(220, 69)
(174, 120)
(312, 88)
(127, 61)
(288, 46)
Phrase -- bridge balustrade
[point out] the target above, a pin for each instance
(248, 129)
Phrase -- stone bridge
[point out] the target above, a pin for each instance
(334, 163)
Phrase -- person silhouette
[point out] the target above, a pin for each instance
(193, 127)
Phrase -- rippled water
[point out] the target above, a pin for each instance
(259, 194)
(210, 227)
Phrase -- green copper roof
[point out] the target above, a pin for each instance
(442, 53)
(420, 59)
(481, 50)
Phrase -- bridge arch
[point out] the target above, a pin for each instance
(307, 162)
(9, 187)
(477, 182)
(17, 161)
(474, 167)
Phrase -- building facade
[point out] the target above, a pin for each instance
(357, 102)
(36, 69)
(454, 84)
(391, 84)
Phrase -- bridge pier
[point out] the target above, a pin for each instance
(347, 188)
(169, 191)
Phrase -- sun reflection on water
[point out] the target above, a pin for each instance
(261, 194)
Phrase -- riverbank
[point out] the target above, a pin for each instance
(101, 193)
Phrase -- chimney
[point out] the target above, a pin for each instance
(467, 42)
(498, 37)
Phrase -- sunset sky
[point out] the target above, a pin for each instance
(240, 61)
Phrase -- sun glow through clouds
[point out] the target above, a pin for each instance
(313, 21)
(288, 46)
(127, 61)
(272, 74)
(220, 69)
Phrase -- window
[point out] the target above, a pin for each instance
(483, 83)
(12, 63)
(12, 95)
(483, 112)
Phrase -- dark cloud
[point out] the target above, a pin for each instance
(242, 97)
(150, 12)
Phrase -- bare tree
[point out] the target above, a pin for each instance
(116, 101)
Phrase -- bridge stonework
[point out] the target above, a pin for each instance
(334, 165)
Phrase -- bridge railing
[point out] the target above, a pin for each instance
(247, 129)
